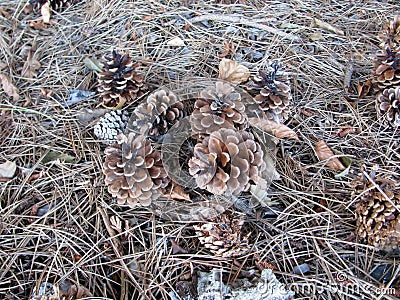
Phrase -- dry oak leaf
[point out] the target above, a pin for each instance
(232, 71)
(8, 87)
(276, 129)
(325, 153)
(31, 65)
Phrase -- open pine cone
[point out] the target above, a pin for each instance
(222, 235)
(119, 81)
(272, 92)
(378, 215)
(133, 171)
(219, 106)
(226, 162)
(388, 103)
(390, 35)
(54, 4)
(386, 70)
(160, 112)
(110, 125)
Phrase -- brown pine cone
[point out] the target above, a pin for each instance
(119, 81)
(219, 106)
(386, 70)
(223, 236)
(133, 171)
(378, 215)
(226, 162)
(390, 35)
(272, 91)
(160, 112)
(388, 104)
(54, 4)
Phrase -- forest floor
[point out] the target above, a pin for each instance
(57, 220)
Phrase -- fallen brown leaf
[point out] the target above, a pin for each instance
(177, 193)
(364, 88)
(31, 64)
(325, 153)
(9, 88)
(37, 24)
(345, 131)
(232, 71)
(278, 130)
(228, 48)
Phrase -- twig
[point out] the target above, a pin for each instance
(244, 21)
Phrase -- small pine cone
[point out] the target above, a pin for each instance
(133, 171)
(222, 235)
(219, 106)
(54, 4)
(160, 112)
(388, 103)
(378, 216)
(273, 92)
(226, 161)
(119, 81)
(390, 35)
(386, 70)
(110, 125)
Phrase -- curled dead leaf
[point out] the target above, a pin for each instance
(325, 153)
(9, 88)
(345, 131)
(232, 71)
(364, 88)
(276, 129)
(176, 193)
(31, 64)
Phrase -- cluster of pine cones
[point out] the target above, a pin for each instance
(386, 73)
(378, 210)
(225, 159)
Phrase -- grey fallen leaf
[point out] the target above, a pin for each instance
(176, 42)
(53, 155)
(76, 96)
(86, 116)
(301, 269)
(92, 64)
(7, 169)
(44, 210)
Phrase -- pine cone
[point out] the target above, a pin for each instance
(54, 4)
(386, 70)
(219, 106)
(388, 103)
(133, 171)
(390, 35)
(274, 96)
(226, 161)
(378, 217)
(222, 235)
(110, 125)
(160, 112)
(119, 82)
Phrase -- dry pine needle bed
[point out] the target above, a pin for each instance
(286, 188)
